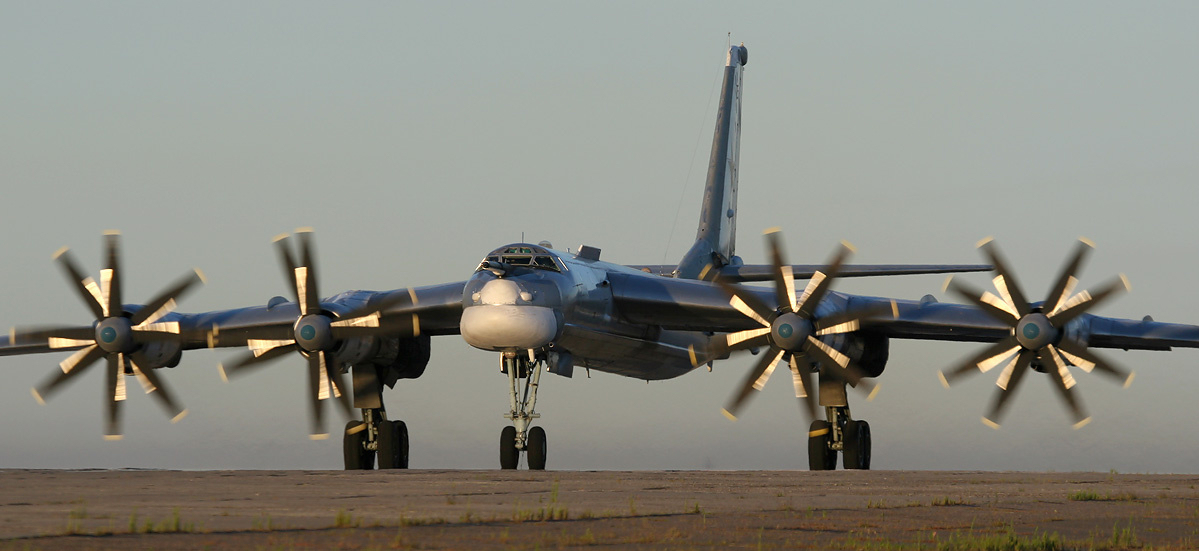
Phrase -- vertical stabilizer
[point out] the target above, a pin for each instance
(716, 238)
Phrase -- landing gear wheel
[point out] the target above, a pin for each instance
(821, 457)
(537, 448)
(393, 445)
(856, 453)
(509, 455)
(353, 447)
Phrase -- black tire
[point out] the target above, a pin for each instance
(353, 447)
(857, 445)
(536, 446)
(509, 455)
(821, 457)
(393, 445)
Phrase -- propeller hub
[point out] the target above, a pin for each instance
(114, 335)
(789, 331)
(313, 333)
(1035, 332)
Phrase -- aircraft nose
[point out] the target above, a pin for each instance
(503, 319)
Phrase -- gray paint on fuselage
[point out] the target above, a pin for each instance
(593, 331)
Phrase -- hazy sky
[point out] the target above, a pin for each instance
(415, 137)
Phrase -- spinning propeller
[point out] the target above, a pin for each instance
(1038, 338)
(792, 330)
(116, 335)
(317, 331)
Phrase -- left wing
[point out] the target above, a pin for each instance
(835, 332)
(745, 273)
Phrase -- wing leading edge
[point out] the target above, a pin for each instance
(747, 273)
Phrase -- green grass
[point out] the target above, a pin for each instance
(344, 519)
(1084, 495)
(1009, 541)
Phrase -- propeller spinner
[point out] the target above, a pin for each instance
(792, 331)
(1038, 333)
(117, 335)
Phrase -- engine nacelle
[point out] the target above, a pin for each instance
(394, 358)
(398, 358)
(869, 351)
(160, 354)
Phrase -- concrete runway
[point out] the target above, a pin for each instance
(135, 509)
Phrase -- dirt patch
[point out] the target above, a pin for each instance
(560, 510)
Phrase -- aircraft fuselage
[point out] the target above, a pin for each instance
(526, 297)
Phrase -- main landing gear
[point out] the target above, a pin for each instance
(373, 437)
(838, 433)
(519, 436)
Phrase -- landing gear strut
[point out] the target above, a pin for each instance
(375, 436)
(841, 433)
(519, 436)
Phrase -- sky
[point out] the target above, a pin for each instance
(417, 136)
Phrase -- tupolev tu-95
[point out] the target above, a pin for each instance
(541, 309)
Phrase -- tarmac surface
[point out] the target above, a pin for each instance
(425, 509)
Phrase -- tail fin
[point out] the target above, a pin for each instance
(716, 239)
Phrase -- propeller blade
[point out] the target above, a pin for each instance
(115, 394)
(1005, 282)
(289, 264)
(986, 301)
(803, 381)
(834, 363)
(72, 367)
(310, 302)
(318, 390)
(381, 305)
(745, 301)
(340, 391)
(1067, 279)
(1078, 304)
(784, 281)
(1080, 356)
(751, 338)
(984, 361)
(821, 281)
(751, 383)
(256, 359)
(375, 324)
(63, 336)
(1010, 381)
(80, 282)
(156, 389)
(847, 322)
(164, 303)
(1064, 384)
(110, 277)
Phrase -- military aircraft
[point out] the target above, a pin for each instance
(541, 309)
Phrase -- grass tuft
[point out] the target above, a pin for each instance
(1085, 495)
(344, 519)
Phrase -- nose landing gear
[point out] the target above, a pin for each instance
(522, 399)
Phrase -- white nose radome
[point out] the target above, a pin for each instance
(508, 327)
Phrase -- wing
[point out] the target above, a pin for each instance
(430, 310)
(746, 273)
(703, 306)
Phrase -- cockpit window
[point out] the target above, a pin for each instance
(524, 256)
